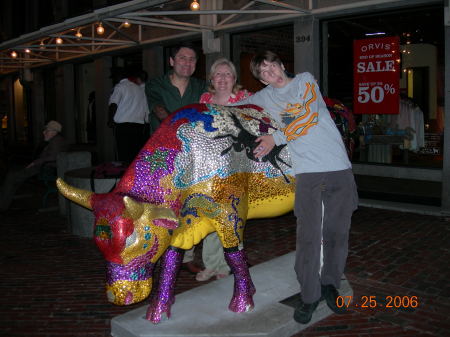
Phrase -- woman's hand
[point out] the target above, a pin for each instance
(266, 144)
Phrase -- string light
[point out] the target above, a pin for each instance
(13, 54)
(100, 29)
(59, 40)
(78, 34)
(27, 51)
(126, 24)
(195, 6)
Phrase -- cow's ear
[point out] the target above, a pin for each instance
(164, 217)
(134, 208)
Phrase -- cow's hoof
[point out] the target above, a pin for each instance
(157, 313)
(241, 304)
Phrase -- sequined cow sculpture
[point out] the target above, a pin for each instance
(195, 175)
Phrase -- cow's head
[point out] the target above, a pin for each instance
(131, 235)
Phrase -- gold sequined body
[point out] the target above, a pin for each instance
(220, 183)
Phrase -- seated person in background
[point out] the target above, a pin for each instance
(223, 90)
(15, 178)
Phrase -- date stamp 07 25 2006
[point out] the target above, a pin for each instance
(371, 302)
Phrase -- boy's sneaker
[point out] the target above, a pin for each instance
(303, 312)
(330, 295)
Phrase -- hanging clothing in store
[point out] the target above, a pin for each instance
(410, 119)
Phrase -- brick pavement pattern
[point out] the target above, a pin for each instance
(52, 282)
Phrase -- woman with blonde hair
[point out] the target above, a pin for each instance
(223, 89)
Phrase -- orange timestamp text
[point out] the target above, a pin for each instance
(371, 302)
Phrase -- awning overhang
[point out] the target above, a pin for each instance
(150, 21)
(159, 21)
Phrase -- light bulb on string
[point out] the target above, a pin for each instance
(126, 24)
(78, 34)
(59, 40)
(195, 6)
(13, 54)
(100, 29)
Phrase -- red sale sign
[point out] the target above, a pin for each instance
(376, 75)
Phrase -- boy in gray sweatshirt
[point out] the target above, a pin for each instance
(324, 179)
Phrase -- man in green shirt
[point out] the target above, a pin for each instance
(169, 92)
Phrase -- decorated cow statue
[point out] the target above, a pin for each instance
(197, 174)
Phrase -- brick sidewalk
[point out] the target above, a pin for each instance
(52, 283)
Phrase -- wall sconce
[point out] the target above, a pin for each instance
(100, 29)
(78, 34)
(59, 40)
(195, 6)
(126, 24)
(13, 54)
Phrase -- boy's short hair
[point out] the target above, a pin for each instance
(175, 49)
(259, 59)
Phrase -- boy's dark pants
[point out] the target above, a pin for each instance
(337, 191)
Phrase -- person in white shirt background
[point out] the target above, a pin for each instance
(128, 114)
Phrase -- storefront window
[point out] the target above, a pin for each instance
(414, 136)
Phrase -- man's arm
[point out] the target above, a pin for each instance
(114, 101)
(160, 112)
(112, 109)
(156, 104)
(56, 144)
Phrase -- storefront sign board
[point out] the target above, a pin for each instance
(376, 75)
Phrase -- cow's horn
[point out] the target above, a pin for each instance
(77, 195)
(134, 208)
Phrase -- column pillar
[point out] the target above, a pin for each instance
(106, 145)
(153, 61)
(212, 45)
(445, 203)
(38, 106)
(65, 101)
(307, 46)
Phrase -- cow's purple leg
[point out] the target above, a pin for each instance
(244, 289)
(164, 297)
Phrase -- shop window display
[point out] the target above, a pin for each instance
(413, 137)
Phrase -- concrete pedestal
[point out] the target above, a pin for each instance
(81, 220)
(203, 311)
